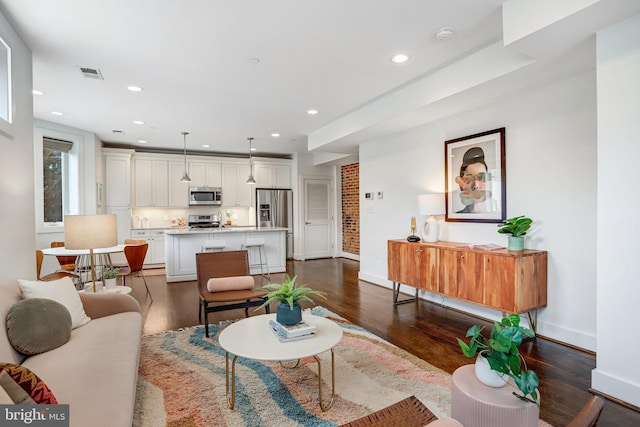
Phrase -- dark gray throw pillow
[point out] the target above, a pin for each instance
(36, 325)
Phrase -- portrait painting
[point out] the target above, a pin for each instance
(475, 184)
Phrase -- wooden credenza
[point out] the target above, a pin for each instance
(512, 282)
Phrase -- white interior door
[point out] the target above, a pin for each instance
(317, 219)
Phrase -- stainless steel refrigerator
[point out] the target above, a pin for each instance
(274, 208)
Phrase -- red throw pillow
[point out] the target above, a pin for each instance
(34, 386)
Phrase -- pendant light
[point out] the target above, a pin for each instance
(185, 175)
(250, 180)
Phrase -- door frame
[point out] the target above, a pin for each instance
(300, 241)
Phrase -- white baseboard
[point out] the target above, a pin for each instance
(615, 386)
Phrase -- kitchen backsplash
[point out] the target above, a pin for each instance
(161, 217)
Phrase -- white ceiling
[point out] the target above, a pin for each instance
(228, 70)
(193, 58)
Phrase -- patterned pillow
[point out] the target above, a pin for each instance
(34, 386)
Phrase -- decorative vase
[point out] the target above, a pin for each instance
(516, 243)
(285, 315)
(110, 283)
(488, 376)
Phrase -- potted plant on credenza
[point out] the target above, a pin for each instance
(517, 227)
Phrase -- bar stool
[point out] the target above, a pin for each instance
(213, 246)
(262, 256)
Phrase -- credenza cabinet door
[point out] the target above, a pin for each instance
(413, 264)
(461, 275)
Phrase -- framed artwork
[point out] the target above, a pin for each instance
(475, 180)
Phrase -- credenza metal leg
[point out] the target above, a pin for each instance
(396, 292)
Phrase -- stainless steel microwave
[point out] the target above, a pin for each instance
(205, 196)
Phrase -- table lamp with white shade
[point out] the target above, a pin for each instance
(90, 232)
(431, 204)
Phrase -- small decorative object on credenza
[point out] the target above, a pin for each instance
(288, 294)
(412, 237)
(500, 352)
(517, 227)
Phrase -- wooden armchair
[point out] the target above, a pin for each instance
(211, 265)
(589, 414)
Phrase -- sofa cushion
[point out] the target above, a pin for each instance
(34, 386)
(36, 325)
(96, 371)
(63, 291)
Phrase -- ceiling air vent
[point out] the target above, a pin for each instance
(117, 131)
(92, 73)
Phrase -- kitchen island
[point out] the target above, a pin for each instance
(181, 246)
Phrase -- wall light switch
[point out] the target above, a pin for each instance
(379, 194)
(368, 196)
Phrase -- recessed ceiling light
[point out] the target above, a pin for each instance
(444, 33)
(312, 112)
(253, 148)
(275, 134)
(57, 113)
(205, 145)
(142, 141)
(138, 122)
(37, 92)
(134, 88)
(399, 58)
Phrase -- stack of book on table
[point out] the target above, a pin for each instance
(286, 333)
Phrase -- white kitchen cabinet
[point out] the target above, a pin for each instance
(235, 190)
(272, 175)
(117, 179)
(151, 183)
(155, 251)
(205, 174)
(178, 191)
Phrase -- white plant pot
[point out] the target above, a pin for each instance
(488, 376)
(110, 283)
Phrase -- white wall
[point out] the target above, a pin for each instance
(617, 370)
(17, 249)
(551, 177)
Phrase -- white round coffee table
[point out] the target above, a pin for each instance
(252, 338)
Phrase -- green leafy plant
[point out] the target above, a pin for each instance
(516, 226)
(501, 351)
(289, 292)
(110, 272)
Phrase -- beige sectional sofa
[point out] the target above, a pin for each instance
(95, 372)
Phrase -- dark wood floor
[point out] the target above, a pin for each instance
(427, 330)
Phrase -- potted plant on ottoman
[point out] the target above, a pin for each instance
(517, 227)
(501, 354)
(288, 294)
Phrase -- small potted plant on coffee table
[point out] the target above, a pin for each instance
(499, 358)
(288, 294)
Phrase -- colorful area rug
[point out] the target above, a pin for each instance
(182, 382)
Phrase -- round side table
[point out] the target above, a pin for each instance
(477, 405)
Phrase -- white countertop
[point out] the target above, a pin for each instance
(232, 229)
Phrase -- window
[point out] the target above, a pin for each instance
(55, 180)
(5, 81)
